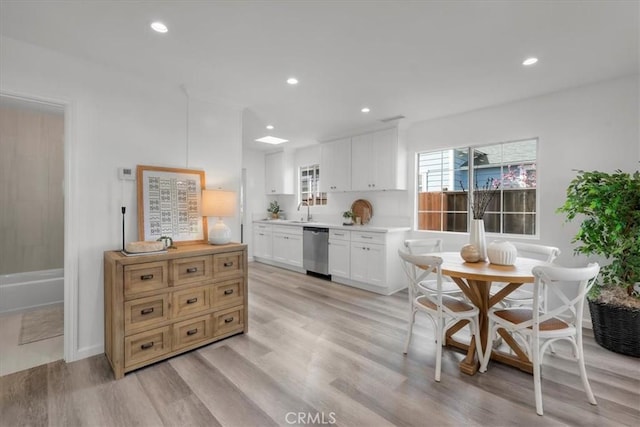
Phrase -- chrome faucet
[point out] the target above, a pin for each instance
(307, 205)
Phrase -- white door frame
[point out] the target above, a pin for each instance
(70, 220)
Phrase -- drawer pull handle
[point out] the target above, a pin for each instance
(192, 331)
(366, 237)
(192, 300)
(146, 277)
(192, 270)
(146, 311)
(228, 292)
(228, 320)
(228, 264)
(146, 346)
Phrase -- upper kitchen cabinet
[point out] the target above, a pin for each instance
(377, 161)
(335, 165)
(279, 176)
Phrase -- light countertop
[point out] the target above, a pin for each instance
(369, 228)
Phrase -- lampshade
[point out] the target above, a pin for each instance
(219, 203)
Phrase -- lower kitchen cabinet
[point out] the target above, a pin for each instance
(367, 260)
(157, 306)
(363, 259)
(263, 241)
(368, 263)
(287, 245)
(278, 245)
(339, 253)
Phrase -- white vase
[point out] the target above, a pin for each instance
(502, 252)
(477, 237)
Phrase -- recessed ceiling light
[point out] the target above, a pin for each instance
(292, 81)
(271, 140)
(269, 127)
(159, 27)
(365, 110)
(530, 61)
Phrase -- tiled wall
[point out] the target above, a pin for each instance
(31, 199)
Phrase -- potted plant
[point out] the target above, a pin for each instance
(274, 209)
(609, 207)
(348, 216)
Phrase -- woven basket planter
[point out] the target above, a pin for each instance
(616, 328)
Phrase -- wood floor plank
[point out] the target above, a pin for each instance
(23, 397)
(172, 397)
(274, 399)
(320, 348)
(223, 399)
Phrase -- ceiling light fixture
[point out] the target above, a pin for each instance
(159, 27)
(269, 127)
(272, 140)
(365, 110)
(530, 61)
(292, 81)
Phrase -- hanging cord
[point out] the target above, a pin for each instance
(186, 94)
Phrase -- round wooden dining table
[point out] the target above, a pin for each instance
(474, 280)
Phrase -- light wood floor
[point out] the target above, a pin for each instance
(331, 353)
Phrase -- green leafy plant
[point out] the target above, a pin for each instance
(610, 206)
(274, 207)
(348, 214)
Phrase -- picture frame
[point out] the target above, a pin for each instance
(170, 204)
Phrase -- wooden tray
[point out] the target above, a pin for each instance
(363, 209)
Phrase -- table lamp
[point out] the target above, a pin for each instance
(219, 203)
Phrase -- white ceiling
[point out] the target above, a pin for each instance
(419, 59)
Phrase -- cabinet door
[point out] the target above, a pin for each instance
(335, 166)
(280, 250)
(278, 170)
(376, 268)
(339, 258)
(273, 173)
(262, 244)
(361, 162)
(384, 166)
(359, 263)
(294, 250)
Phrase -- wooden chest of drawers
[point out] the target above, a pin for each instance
(157, 306)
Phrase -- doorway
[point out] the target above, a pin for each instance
(32, 256)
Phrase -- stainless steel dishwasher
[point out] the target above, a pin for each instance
(315, 250)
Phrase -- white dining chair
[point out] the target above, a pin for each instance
(443, 310)
(523, 296)
(538, 329)
(425, 246)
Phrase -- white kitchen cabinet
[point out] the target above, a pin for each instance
(262, 241)
(335, 166)
(287, 245)
(279, 173)
(374, 263)
(378, 161)
(339, 253)
(368, 263)
(358, 257)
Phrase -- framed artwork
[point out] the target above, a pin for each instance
(170, 204)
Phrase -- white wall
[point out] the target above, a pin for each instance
(590, 127)
(256, 206)
(115, 119)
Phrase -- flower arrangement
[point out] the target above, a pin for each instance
(482, 196)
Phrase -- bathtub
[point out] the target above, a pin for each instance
(19, 291)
